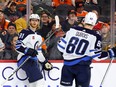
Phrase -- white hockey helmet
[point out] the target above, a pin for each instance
(90, 18)
(34, 16)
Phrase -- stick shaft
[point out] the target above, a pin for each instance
(106, 72)
(57, 23)
(7, 79)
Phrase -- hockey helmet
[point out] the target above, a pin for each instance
(34, 16)
(90, 18)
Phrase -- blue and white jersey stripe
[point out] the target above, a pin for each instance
(78, 43)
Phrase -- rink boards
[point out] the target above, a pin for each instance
(52, 78)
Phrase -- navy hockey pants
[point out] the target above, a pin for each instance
(81, 74)
(32, 69)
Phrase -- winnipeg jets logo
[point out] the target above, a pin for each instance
(36, 46)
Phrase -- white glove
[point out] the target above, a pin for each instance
(47, 65)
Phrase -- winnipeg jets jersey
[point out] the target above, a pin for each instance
(29, 39)
(80, 44)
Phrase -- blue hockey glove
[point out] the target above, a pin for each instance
(31, 52)
(112, 52)
(47, 65)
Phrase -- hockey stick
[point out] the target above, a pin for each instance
(57, 26)
(57, 20)
(7, 79)
(106, 72)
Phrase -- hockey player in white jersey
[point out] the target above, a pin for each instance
(79, 46)
(29, 46)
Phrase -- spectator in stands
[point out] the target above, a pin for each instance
(2, 47)
(70, 21)
(37, 2)
(7, 35)
(80, 10)
(101, 20)
(105, 31)
(53, 52)
(98, 26)
(56, 3)
(9, 38)
(3, 22)
(18, 2)
(11, 12)
(11, 53)
(45, 24)
(21, 23)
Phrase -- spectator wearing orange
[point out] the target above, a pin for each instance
(3, 22)
(80, 10)
(21, 4)
(56, 3)
(18, 2)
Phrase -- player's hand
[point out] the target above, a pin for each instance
(31, 52)
(112, 52)
(47, 66)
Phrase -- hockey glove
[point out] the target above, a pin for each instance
(112, 52)
(31, 52)
(104, 54)
(47, 65)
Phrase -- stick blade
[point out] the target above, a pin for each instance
(57, 21)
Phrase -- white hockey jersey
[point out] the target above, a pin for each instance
(29, 39)
(80, 44)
